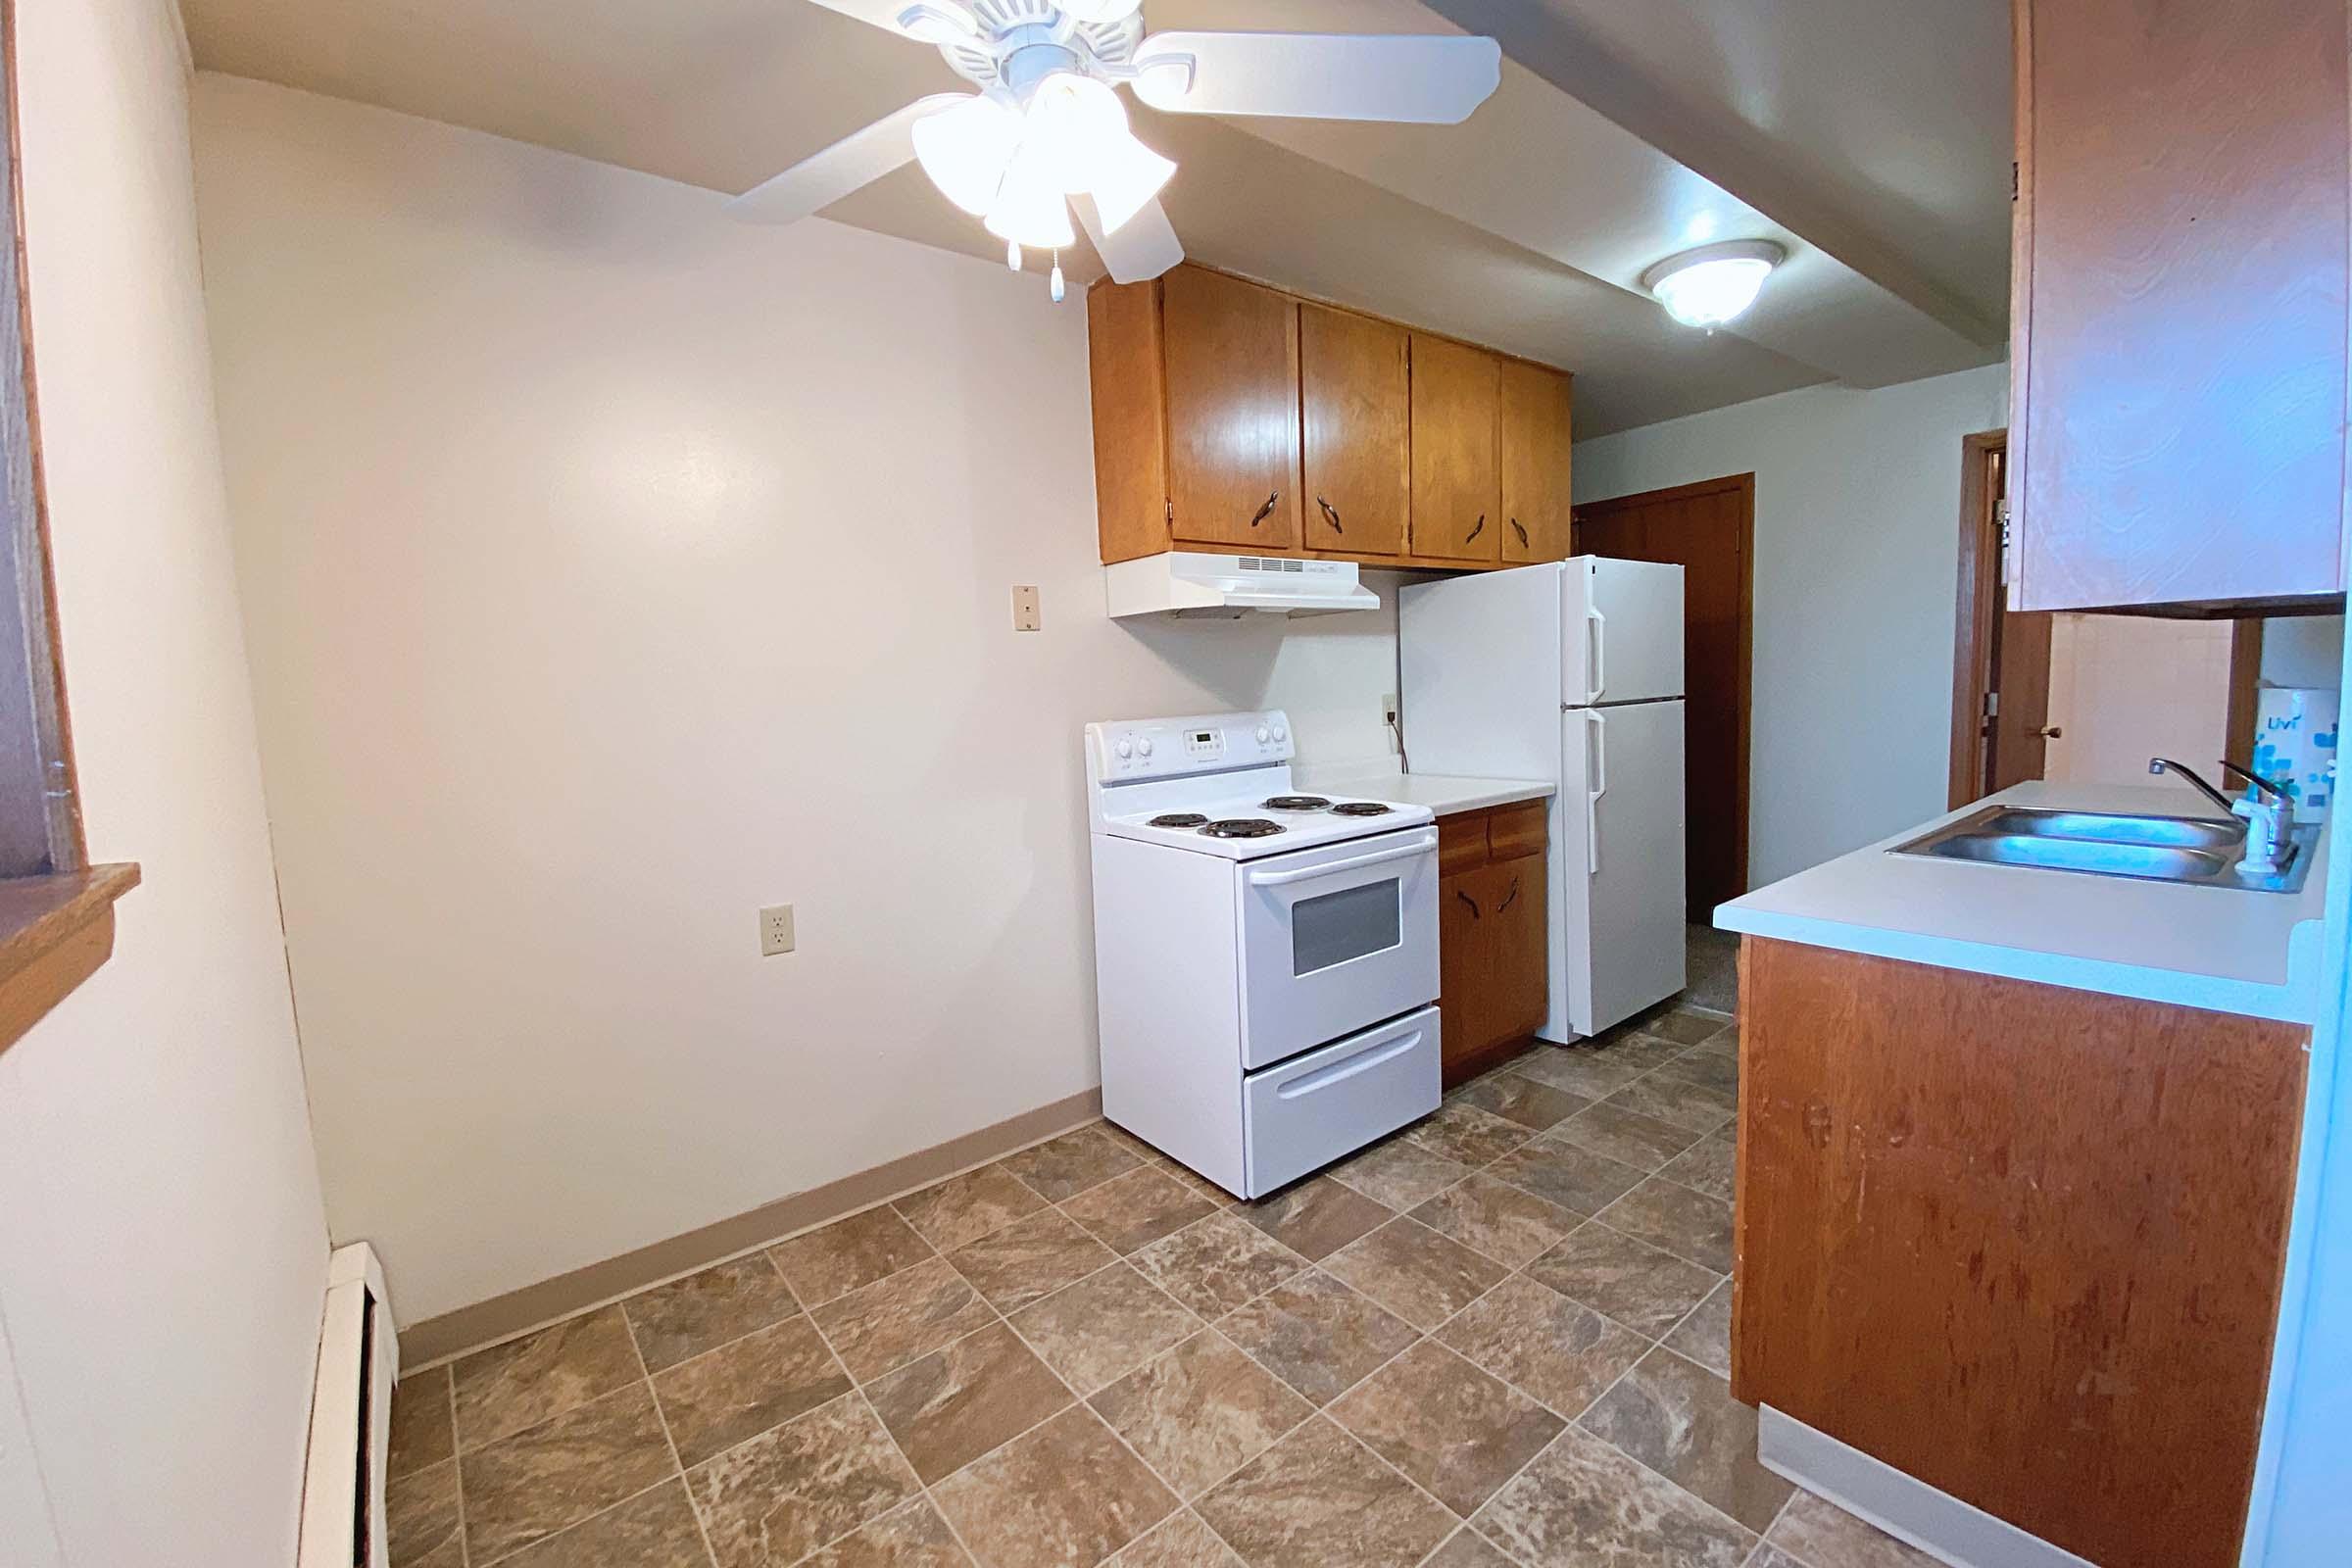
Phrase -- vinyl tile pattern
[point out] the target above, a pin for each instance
(1445, 1357)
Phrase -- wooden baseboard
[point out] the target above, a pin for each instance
(454, 1334)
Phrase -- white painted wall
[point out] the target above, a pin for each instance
(1856, 571)
(2126, 688)
(613, 569)
(162, 1246)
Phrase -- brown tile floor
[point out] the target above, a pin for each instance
(1500, 1337)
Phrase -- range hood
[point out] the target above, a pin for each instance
(1191, 586)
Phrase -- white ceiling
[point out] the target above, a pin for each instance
(1871, 139)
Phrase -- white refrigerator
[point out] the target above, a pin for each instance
(1570, 671)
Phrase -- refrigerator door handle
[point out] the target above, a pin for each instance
(1598, 770)
(1597, 634)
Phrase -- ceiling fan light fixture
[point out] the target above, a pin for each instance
(1711, 285)
(1030, 208)
(966, 151)
(1075, 127)
(1129, 176)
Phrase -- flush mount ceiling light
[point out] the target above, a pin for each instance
(1708, 286)
(1046, 134)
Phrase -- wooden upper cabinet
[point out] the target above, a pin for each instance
(1233, 416)
(1457, 494)
(1355, 406)
(2177, 433)
(1232, 355)
(1534, 438)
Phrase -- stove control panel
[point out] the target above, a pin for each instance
(1171, 747)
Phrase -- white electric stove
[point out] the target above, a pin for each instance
(1266, 958)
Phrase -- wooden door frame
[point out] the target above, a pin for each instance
(1745, 485)
(1979, 600)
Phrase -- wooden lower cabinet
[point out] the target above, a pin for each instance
(1493, 956)
(2020, 1243)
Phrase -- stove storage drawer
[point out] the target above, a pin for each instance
(1302, 1114)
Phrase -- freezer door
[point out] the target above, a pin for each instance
(1618, 920)
(1621, 631)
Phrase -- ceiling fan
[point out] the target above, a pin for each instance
(1047, 132)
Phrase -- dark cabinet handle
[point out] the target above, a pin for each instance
(1480, 528)
(1510, 898)
(1265, 510)
(1468, 899)
(1521, 532)
(1332, 512)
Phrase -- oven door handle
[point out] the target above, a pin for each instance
(1309, 873)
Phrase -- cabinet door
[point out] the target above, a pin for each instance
(1456, 493)
(2178, 366)
(1534, 436)
(1465, 966)
(1355, 400)
(1519, 990)
(1231, 353)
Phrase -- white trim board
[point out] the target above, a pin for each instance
(1909, 1509)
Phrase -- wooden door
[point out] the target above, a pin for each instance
(1708, 529)
(1232, 351)
(1458, 492)
(1355, 409)
(1534, 436)
(2178, 357)
(2017, 743)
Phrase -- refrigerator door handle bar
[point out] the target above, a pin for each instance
(1600, 771)
(1597, 628)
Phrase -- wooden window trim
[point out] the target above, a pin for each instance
(57, 911)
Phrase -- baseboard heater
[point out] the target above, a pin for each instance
(351, 1418)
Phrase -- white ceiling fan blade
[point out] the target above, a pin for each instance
(1143, 247)
(1423, 79)
(935, 22)
(850, 163)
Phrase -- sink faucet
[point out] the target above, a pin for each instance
(2165, 765)
(2268, 811)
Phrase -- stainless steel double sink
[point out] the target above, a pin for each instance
(2196, 851)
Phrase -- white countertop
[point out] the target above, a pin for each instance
(2225, 949)
(1444, 794)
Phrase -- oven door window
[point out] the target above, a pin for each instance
(1352, 924)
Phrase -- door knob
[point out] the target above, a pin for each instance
(2050, 732)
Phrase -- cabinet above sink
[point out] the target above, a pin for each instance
(1230, 416)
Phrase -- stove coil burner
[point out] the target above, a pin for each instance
(1179, 819)
(1296, 803)
(1240, 828)
(1361, 809)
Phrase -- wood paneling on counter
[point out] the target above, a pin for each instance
(2018, 1242)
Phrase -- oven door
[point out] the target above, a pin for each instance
(1336, 939)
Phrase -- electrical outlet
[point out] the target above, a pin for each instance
(775, 930)
(1387, 706)
(1026, 617)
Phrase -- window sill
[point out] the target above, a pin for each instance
(55, 931)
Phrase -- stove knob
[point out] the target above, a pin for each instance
(1144, 745)
(1125, 747)
(1281, 734)
(1263, 735)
